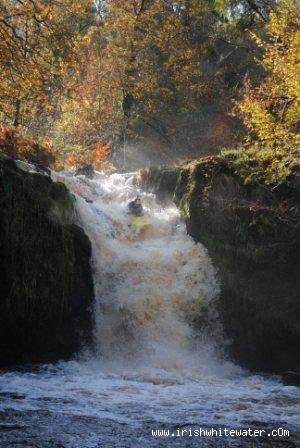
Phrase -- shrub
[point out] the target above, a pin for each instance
(14, 144)
(98, 157)
(263, 165)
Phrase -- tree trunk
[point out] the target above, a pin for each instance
(17, 113)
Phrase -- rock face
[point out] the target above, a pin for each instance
(86, 170)
(45, 276)
(252, 235)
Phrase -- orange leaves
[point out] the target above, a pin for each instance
(136, 66)
(15, 145)
(154, 54)
(37, 42)
(98, 157)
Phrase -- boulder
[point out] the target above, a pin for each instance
(45, 275)
(252, 235)
(86, 170)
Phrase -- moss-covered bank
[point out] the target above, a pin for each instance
(45, 276)
(251, 230)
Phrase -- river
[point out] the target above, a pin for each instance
(159, 357)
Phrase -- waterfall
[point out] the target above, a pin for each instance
(155, 292)
(158, 361)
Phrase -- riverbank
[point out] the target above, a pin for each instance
(246, 213)
(45, 273)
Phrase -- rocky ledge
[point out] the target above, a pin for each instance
(45, 275)
(251, 231)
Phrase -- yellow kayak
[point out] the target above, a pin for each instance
(140, 224)
(138, 221)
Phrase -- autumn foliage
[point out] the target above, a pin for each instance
(37, 43)
(159, 79)
(272, 110)
(14, 144)
(98, 157)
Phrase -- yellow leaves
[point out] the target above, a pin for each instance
(259, 42)
(151, 50)
(37, 42)
(272, 110)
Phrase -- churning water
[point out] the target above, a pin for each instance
(159, 358)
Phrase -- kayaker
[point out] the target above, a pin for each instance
(135, 207)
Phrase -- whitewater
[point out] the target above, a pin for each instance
(158, 359)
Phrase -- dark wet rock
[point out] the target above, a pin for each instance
(45, 275)
(161, 181)
(292, 378)
(86, 170)
(88, 200)
(43, 169)
(252, 235)
(12, 395)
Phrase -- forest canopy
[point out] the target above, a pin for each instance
(157, 81)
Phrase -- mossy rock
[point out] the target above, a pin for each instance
(251, 231)
(45, 275)
(160, 181)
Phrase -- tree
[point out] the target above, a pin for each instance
(156, 50)
(89, 110)
(37, 40)
(272, 109)
(144, 70)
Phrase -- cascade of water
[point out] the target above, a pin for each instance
(158, 339)
(151, 288)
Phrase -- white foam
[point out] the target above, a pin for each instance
(150, 290)
(151, 363)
